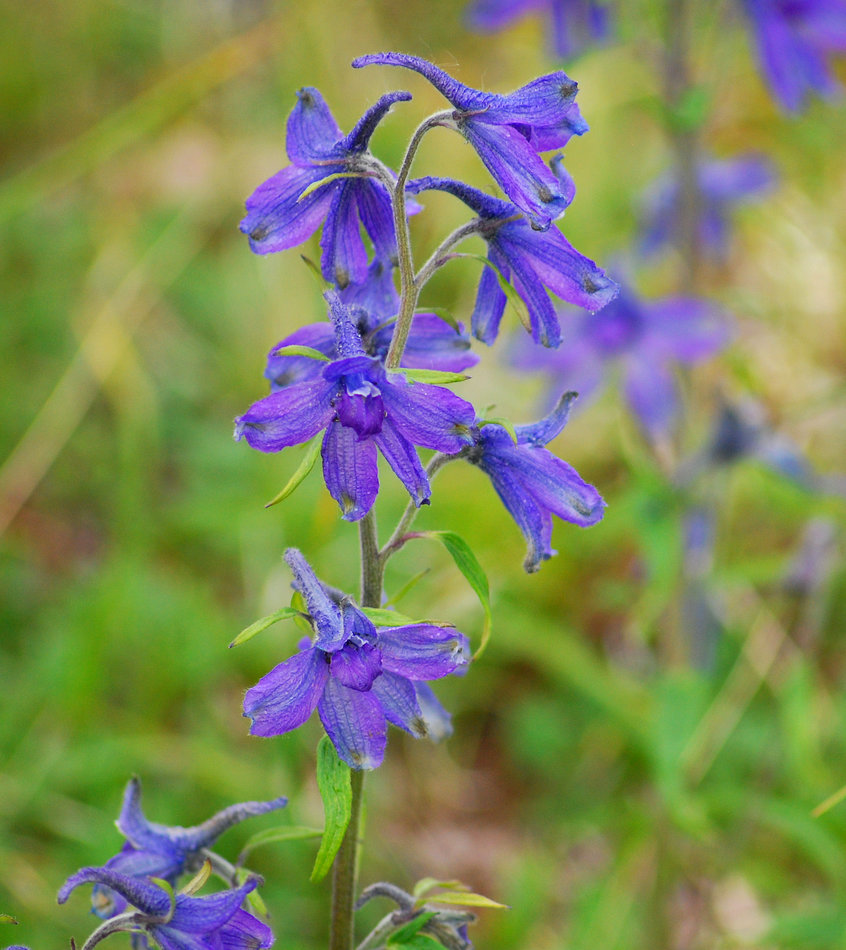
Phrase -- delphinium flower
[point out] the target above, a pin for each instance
(644, 340)
(363, 408)
(575, 24)
(532, 483)
(533, 260)
(507, 131)
(721, 185)
(166, 852)
(280, 216)
(182, 922)
(357, 677)
(794, 40)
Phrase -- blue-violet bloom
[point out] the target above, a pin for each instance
(794, 38)
(278, 217)
(363, 408)
(533, 260)
(532, 483)
(359, 678)
(644, 339)
(508, 131)
(213, 922)
(721, 185)
(575, 23)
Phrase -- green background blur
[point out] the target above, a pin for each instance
(610, 792)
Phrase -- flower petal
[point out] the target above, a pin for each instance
(312, 133)
(438, 720)
(200, 915)
(355, 722)
(401, 455)
(350, 471)
(325, 613)
(146, 896)
(374, 209)
(490, 300)
(359, 138)
(434, 344)
(344, 258)
(282, 371)
(423, 651)
(356, 666)
(244, 932)
(288, 417)
(428, 415)
(398, 699)
(287, 695)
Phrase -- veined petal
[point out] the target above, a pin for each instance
(549, 137)
(146, 896)
(438, 720)
(376, 294)
(434, 344)
(355, 722)
(359, 138)
(288, 417)
(287, 695)
(324, 612)
(423, 651)
(374, 208)
(490, 300)
(350, 471)
(200, 915)
(344, 257)
(244, 932)
(401, 455)
(544, 101)
(546, 429)
(428, 415)
(356, 666)
(282, 371)
(312, 133)
(276, 218)
(398, 699)
(542, 316)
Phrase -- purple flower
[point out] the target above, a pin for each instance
(279, 218)
(575, 23)
(363, 408)
(721, 184)
(533, 260)
(183, 923)
(508, 131)
(358, 678)
(154, 850)
(532, 483)
(644, 339)
(794, 38)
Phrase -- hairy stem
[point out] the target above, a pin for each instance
(345, 872)
(408, 287)
(437, 258)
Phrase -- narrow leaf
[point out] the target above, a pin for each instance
(284, 613)
(417, 942)
(506, 424)
(309, 263)
(406, 932)
(391, 618)
(467, 562)
(254, 899)
(426, 884)
(333, 780)
(511, 294)
(463, 899)
(437, 376)
(299, 604)
(325, 181)
(6, 919)
(272, 835)
(198, 880)
(406, 587)
(297, 349)
(305, 466)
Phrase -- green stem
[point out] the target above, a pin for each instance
(344, 873)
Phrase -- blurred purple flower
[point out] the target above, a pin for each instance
(359, 679)
(644, 339)
(532, 483)
(279, 218)
(721, 184)
(794, 39)
(533, 260)
(575, 23)
(508, 131)
(180, 923)
(363, 408)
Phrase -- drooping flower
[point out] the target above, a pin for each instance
(154, 850)
(279, 217)
(575, 24)
(357, 677)
(533, 260)
(644, 339)
(721, 185)
(508, 131)
(794, 39)
(532, 483)
(363, 408)
(181, 923)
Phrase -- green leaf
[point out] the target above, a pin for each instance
(437, 376)
(406, 587)
(254, 899)
(333, 780)
(298, 602)
(506, 424)
(406, 932)
(198, 880)
(390, 618)
(305, 466)
(511, 294)
(463, 899)
(466, 561)
(417, 942)
(281, 833)
(296, 349)
(309, 263)
(6, 919)
(426, 884)
(325, 181)
(284, 613)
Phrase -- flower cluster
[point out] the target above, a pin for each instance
(357, 677)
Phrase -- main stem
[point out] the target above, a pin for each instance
(345, 867)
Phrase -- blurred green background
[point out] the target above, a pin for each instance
(610, 790)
